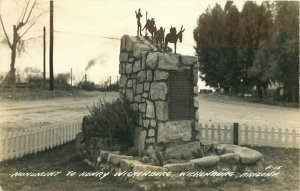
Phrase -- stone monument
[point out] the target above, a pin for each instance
(162, 87)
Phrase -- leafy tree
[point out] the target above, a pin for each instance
(254, 47)
(257, 28)
(231, 47)
(287, 45)
(217, 39)
(207, 50)
(264, 70)
(276, 59)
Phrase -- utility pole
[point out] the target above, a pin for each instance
(117, 80)
(44, 58)
(71, 76)
(109, 81)
(51, 47)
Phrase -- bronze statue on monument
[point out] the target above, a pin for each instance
(160, 37)
(173, 37)
(151, 27)
(139, 26)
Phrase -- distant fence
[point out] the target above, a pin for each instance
(248, 135)
(17, 143)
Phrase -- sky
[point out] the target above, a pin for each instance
(81, 28)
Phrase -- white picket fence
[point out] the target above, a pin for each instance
(17, 143)
(255, 136)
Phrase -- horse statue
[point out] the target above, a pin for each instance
(173, 36)
(151, 27)
(159, 37)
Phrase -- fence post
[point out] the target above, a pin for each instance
(206, 132)
(286, 137)
(5, 145)
(212, 132)
(294, 138)
(26, 142)
(200, 131)
(52, 137)
(219, 133)
(14, 144)
(225, 134)
(235, 133)
(273, 137)
(259, 136)
(279, 137)
(266, 136)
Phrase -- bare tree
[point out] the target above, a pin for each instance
(25, 22)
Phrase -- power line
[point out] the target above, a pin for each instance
(82, 34)
(111, 38)
(32, 38)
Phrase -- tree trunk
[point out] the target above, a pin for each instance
(12, 71)
(297, 94)
(265, 87)
(259, 91)
(291, 94)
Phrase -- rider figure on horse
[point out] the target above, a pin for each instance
(152, 22)
(150, 26)
(173, 31)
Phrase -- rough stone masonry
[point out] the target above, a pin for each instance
(145, 83)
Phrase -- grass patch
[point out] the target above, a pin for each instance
(288, 179)
(64, 158)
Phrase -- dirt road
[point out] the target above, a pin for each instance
(22, 114)
(221, 110)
